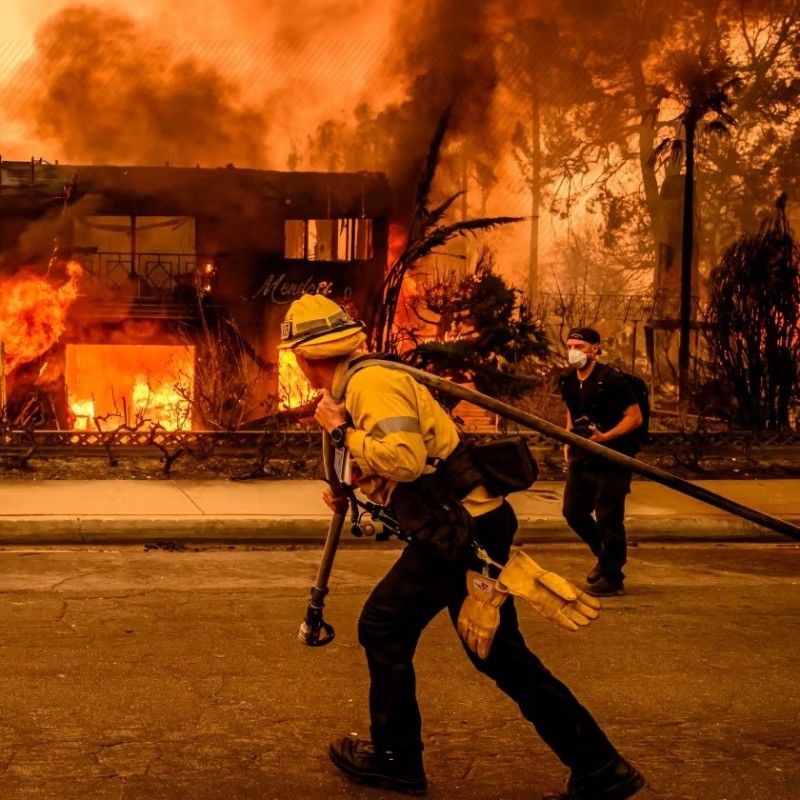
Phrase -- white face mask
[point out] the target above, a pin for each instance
(577, 358)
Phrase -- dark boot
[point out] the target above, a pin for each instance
(595, 574)
(358, 759)
(617, 780)
(605, 588)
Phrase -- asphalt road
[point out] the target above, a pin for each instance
(132, 675)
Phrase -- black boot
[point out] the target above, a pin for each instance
(617, 780)
(595, 574)
(605, 588)
(358, 759)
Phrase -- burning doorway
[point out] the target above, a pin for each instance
(130, 385)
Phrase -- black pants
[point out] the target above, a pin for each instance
(600, 487)
(413, 592)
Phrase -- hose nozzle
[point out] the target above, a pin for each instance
(314, 631)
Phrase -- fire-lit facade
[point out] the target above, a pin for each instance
(185, 276)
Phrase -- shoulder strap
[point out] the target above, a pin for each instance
(600, 373)
(374, 357)
(604, 370)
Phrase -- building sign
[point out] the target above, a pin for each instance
(281, 291)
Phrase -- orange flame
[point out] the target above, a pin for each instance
(398, 238)
(33, 313)
(84, 414)
(404, 314)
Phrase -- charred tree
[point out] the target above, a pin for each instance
(753, 326)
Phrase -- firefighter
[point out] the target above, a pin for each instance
(399, 436)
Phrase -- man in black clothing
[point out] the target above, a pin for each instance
(603, 407)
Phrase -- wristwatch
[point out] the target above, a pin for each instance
(337, 435)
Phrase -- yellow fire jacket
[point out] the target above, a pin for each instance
(397, 425)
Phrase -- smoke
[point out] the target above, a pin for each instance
(104, 90)
(254, 82)
(442, 54)
(449, 50)
(237, 84)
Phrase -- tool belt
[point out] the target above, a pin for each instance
(429, 509)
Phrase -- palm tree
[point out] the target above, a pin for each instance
(426, 234)
(703, 86)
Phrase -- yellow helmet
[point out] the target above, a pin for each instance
(315, 319)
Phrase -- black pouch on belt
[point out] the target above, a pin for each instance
(506, 465)
(429, 509)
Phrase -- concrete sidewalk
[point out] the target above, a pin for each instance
(64, 511)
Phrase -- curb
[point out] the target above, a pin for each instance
(116, 530)
(684, 529)
(313, 530)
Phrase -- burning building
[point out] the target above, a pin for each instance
(169, 285)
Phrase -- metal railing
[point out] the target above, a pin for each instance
(143, 442)
(155, 276)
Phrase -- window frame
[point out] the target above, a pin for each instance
(351, 239)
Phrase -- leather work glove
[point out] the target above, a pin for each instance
(549, 594)
(479, 617)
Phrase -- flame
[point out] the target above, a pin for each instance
(405, 318)
(397, 241)
(83, 411)
(137, 385)
(33, 313)
(161, 404)
(293, 388)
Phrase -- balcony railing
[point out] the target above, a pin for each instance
(147, 276)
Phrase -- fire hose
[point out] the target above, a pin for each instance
(315, 631)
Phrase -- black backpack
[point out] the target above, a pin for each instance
(642, 393)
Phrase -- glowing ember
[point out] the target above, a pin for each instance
(293, 388)
(135, 385)
(33, 313)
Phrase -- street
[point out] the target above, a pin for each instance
(139, 675)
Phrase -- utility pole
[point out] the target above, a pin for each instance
(536, 185)
(687, 247)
